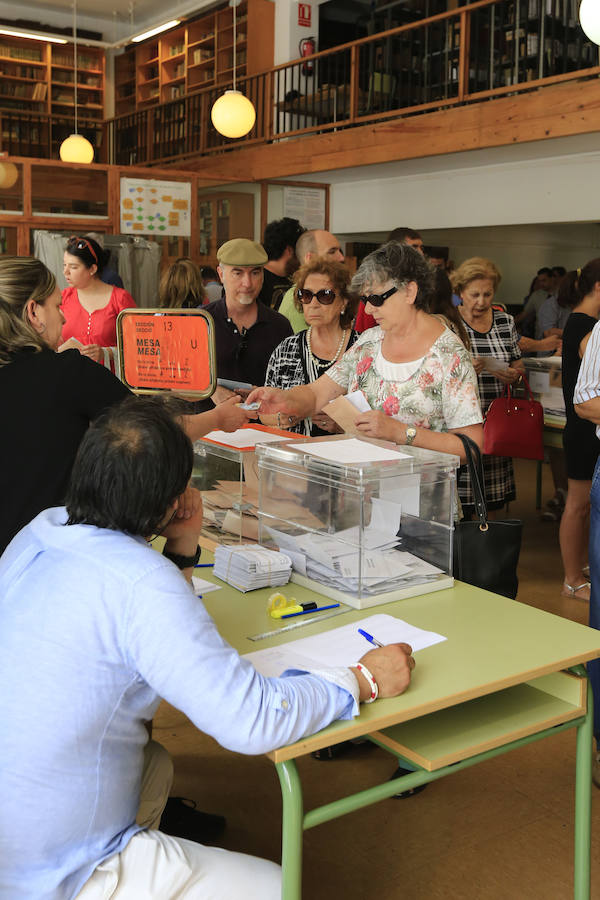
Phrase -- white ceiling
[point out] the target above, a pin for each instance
(116, 20)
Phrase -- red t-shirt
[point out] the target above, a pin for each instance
(98, 327)
(363, 320)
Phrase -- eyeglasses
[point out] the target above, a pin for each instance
(243, 345)
(325, 296)
(378, 299)
(79, 243)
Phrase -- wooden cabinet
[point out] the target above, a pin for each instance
(221, 217)
(196, 55)
(39, 77)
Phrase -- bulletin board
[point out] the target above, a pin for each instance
(149, 206)
(167, 351)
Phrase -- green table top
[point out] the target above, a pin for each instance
(493, 643)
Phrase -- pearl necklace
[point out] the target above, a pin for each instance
(324, 364)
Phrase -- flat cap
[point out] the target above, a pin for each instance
(242, 252)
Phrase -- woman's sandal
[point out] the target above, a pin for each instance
(571, 590)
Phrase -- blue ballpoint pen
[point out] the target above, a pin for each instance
(370, 638)
(204, 565)
(306, 612)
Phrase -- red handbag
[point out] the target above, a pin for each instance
(514, 426)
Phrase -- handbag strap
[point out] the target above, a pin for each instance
(476, 474)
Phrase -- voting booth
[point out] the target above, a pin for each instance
(364, 521)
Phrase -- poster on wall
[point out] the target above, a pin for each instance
(305, 204)
(149, 206)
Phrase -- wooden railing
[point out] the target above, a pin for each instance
(40, 135)
(474, 53)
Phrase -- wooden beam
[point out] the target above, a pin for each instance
(554, 111)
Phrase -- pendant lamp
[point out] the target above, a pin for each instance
(589, 18)
(8, 174)
(233, 115)
(76, 148)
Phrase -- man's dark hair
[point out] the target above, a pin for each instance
(209, 272)
(400, 234)
(560, 271)
(545, 270)
(436, 253)
(279, 235)
(132, 463)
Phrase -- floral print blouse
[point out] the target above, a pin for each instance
(440, 394)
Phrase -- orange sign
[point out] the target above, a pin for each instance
(167, 350)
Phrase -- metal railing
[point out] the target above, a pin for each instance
(474, 53)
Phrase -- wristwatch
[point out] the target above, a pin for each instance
(411, 433)
(183, 562)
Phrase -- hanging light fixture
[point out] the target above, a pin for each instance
(233, 115)
(76, 148)
(589, 18)
(8, 174)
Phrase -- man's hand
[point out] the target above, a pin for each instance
(390, 666)
(229, 415)
(183, 529)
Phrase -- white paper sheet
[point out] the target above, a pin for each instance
(204, 587)
(341, 646)
(358, 400)
(352, 451)
(405, 491)
(244, 437)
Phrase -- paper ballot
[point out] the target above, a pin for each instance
(340, 646)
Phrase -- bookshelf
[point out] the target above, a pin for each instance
(196, 55)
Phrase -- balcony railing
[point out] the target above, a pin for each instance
(474, 53)
(40, 135)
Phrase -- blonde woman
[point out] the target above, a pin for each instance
(181, 286)
(497, 361)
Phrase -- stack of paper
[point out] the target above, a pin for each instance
(248, 567)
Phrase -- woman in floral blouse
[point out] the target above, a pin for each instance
(416, 375)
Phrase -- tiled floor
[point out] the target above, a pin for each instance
(502, 830)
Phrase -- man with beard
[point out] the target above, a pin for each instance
(246, 332)
(279, 242)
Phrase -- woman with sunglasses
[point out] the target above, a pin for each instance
(321, 291)
(90, 306)
(415, 374)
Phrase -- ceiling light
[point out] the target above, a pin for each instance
(589, 18)
(157, 30)
(76, 148)
(232, 114)
(33, 37)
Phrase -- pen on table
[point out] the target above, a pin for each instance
(306, 611)
(370, 638)
(204, 565)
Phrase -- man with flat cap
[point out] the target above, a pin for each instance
(246, 332)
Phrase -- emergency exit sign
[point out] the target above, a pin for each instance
(304, 14)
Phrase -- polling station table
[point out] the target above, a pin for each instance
(508, 674)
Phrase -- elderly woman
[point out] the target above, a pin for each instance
(416, 375)
(321, 290)
(181, 286)
(67, 390)
(497, 361)
(90, 306)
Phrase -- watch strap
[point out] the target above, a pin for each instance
(183, 562)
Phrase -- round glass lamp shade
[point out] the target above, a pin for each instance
(8, 174)
(589, 17)
(233, 115)
(76, 149)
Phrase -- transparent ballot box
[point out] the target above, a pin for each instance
(363, 521)
(226, 473)
(544, 375)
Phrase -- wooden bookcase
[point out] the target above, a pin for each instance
(36, 76)
(196, 55)
(221, 217)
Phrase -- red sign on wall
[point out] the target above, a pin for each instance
(304, 14)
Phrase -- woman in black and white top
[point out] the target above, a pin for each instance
(322, 291)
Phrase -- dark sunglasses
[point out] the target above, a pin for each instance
(378, 299)
(79, 243)
(325, 296)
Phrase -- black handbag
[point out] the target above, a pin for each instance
(486, 554)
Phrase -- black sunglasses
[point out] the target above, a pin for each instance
(378, 299)
(325, 296)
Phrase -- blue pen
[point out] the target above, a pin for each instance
(370, 637)
(204, 565)
(305, 612)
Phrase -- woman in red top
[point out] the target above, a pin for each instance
(90, 306)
